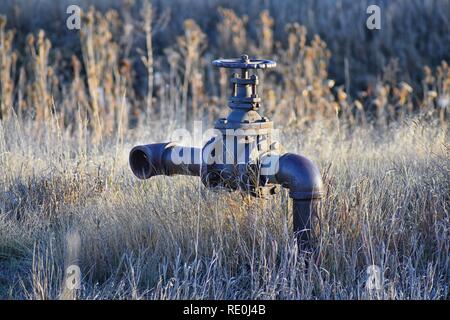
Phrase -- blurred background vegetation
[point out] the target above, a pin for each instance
(133, 61)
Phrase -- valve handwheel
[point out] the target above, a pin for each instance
(244, 94)
(244, 63)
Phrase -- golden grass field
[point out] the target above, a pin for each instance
(71, 111)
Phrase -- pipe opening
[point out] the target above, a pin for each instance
(140, 164)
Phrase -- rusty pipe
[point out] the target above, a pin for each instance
(302, 177)
(167, 158)
(256, 174)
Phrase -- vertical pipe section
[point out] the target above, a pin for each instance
(304, 213)
(302, 177)
(304, 181)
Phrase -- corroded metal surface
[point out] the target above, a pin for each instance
(237, 158)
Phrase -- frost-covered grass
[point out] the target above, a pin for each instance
(387, 201)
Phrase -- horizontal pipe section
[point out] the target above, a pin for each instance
(297, 173)
(154, 159)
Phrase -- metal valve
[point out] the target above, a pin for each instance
(249, 133)
(244, 154)
(244, 88)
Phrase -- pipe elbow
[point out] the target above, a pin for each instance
(154, 159)
(301, 176)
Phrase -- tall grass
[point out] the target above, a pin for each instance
(386, 203)
(166, 71)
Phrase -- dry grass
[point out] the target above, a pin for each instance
(70, 114)
(387, 204)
